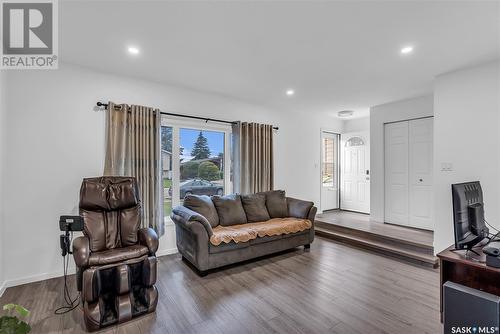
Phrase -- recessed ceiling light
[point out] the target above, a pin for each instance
(407, 49)
(133, 50)
(345, 113)
(290, 92)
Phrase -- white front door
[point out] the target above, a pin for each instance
(329, 171)
(355, 172)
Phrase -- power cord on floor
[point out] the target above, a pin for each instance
(71, 304)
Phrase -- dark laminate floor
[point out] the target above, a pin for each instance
(330, 289)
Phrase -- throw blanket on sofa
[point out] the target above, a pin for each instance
(249, 231)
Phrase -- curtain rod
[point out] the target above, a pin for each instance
(105, 105)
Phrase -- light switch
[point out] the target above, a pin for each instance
(446, 166)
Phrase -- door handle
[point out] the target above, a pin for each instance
(420, 180)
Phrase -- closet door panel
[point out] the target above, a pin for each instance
(396, 173)
(420, 173)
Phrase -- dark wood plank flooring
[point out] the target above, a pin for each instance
(331, 288)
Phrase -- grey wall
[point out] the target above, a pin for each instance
(466, 134)
(357, 124)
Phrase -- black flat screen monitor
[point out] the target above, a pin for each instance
(468, 214)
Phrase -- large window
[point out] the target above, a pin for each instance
(195, 160)
(201, 162)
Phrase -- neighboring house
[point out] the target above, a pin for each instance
(166, 164)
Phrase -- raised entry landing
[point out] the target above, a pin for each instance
(356, 229)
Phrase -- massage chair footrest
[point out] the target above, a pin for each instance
(116, 294)
(114, 309)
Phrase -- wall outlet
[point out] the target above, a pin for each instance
(446, 166)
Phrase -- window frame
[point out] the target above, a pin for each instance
(176, 125)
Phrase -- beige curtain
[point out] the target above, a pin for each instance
(253, 166)
(133, 149)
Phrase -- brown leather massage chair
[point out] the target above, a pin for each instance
(115, 258)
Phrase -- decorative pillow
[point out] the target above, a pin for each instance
(230, 210)
(298, 208)
(255, 207)
(204, 206)
(276, 203)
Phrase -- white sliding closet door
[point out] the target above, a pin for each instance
(408, 173)
(421, 135)
(396, 173)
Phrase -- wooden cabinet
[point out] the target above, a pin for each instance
(471, 272)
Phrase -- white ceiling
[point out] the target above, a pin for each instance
(335, 55)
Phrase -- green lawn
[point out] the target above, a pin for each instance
(167, 207)
(167, 203)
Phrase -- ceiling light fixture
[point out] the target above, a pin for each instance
(290, 92)
(407, 49)
(345, 113)
(133, 50)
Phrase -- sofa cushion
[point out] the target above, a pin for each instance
(204, 206)
(230, 210)
(298, 208)
(276, 203)
(255, 207)
(250, 231)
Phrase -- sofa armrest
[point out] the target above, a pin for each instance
(298, 208)
(312, 214)
(81, 251)
(148, 237)
(187, 218)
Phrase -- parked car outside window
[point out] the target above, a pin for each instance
(199, 187)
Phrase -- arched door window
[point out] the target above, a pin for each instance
(354, 141)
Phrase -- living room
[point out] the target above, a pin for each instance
(209, 73)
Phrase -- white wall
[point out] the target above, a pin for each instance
(3, 110)
(390, 112)
(357, 125)
(466, 134)
(56, 139)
